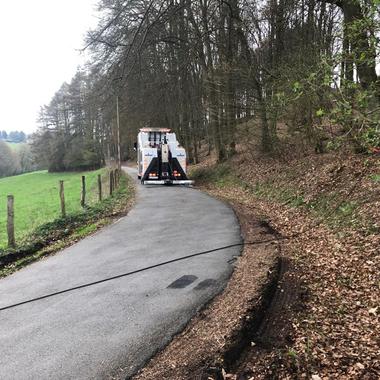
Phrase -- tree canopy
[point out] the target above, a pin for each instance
(13, 136)
(206, 67)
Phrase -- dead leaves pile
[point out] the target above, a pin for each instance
(338, 333)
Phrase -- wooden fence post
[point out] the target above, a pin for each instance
(100, 187)
(62, 198)
(83, 197)
(11, 222)
(118, 177)
(111, 182)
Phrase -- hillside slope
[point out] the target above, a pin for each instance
(325, 210)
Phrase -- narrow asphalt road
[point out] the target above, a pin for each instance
(93, 332)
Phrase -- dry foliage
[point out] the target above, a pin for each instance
(334, 251)
(337, 333)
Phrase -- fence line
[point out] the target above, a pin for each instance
(100, 195)
(11, 222)
(91, 191)
(83, 193)
(62, 198)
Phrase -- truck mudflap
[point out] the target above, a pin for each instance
(165, 173)
(167, 182)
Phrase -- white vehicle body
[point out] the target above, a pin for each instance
(160, 158)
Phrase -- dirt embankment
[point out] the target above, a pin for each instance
(321, 318)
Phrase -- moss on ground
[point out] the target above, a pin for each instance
(328, 207)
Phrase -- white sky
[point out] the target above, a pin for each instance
(39, 41)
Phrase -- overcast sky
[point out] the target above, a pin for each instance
(39, 40)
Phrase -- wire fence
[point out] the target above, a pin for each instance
(31, 200)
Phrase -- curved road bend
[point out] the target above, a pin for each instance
(90, 333)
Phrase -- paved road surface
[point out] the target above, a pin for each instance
(90, 333)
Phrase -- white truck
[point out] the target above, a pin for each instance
(160, 158)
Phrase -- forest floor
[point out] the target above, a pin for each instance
(316, 314)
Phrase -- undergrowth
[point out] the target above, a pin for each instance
(329, 207)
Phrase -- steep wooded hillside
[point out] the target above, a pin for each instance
(203, 67)
(319, 317)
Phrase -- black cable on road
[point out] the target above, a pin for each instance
(133, 272)
(276, 238)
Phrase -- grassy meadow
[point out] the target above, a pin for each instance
(15, 146)
(37, 199)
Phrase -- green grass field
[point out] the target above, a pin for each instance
(15, 146)
(36, 198)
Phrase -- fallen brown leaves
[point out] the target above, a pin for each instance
(336, 333)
